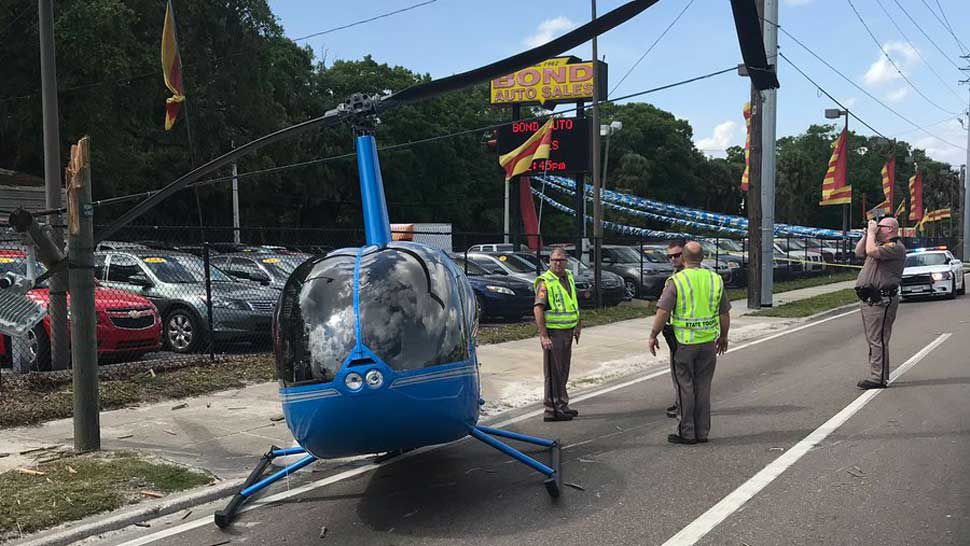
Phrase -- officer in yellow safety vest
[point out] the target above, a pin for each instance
(698, 309)
(556, 311)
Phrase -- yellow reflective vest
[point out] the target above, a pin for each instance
(695, 316)
(562, 312)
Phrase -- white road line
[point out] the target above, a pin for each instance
(649, 376)
(194, 524)
(697, 529)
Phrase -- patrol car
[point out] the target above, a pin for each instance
(932, 271)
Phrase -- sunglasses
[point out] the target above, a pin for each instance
(672, 256)
(558, 260)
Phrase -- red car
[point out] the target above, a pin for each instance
(128, 324)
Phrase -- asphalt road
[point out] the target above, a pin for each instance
(892, 471)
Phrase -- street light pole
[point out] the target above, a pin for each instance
(57, 300)
(597, 203)
(613, 127)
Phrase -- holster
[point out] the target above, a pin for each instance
(670, 338)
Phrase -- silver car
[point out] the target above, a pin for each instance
(175, 283)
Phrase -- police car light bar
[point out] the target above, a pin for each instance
(924, 249)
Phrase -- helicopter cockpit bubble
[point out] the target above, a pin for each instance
(404, 303)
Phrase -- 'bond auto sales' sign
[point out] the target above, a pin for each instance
(562, 79)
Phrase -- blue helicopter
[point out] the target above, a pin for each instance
(375, 346)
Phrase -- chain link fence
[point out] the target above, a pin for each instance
(170, 292)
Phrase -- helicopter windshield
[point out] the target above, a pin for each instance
(317, 328)
(411, 313)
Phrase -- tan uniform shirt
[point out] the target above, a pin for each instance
(884, 269)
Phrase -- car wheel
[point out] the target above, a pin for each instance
(38, 349)
(963, 287)
(953, 289)
(183, 332)
(631, 288)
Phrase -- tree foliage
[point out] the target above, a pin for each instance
(244, 79)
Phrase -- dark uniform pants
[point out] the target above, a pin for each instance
(555, 367)
(693, 372)
(878, 323)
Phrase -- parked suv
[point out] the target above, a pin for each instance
(175, 283)
(642, 276)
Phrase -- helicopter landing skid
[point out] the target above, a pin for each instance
(253, 483)
(553, 473)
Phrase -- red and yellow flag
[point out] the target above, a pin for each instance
(171, 68)
(834, 189)
(520, 159)
(901, 209)
(916, 197)
(747, 147)
(888, 183)
(936, 215)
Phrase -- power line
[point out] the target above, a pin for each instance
(829, 95)
(946, 24)
(857, 86)
(892, 62)
(318, 161)
(649, 49)
(925, 35)
(362, 21)
(920, 55)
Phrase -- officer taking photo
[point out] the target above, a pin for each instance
(878, 288)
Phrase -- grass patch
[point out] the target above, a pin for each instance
(77, 487)
(810, 306)
(38, 397)
(796, 284)
(591, 317)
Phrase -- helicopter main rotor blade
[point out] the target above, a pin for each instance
(521, 60)
(331, 118)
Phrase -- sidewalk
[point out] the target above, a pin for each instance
(226, 432)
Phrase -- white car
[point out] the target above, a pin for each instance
(932, 272)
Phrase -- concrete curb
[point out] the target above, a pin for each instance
(68, 535)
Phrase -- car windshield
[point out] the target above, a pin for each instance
(516, 264)
(921, 259)
(655, 256)
(280, 267)
(488, 264)
(470, 268)
(625, 255)
(729, 245)
(178, 269)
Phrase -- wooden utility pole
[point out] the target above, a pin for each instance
(753, 203)
(80, 256)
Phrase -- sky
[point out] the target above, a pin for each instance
(445, 37)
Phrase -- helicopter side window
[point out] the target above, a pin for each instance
(411, 310)
(316, 328)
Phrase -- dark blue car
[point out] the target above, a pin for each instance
(498, 295)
